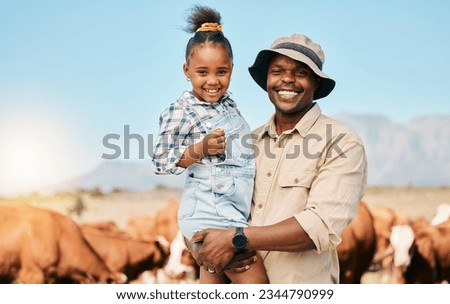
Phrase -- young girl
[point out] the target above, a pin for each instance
(204, 133)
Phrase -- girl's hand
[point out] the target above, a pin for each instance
(214, 143)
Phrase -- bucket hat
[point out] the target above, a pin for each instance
(298, 47)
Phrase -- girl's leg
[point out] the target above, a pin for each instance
(212, 278)
(256, 274)
(205, 276)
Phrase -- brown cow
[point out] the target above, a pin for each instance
(41, 246)
(109, 227)
(384, 219)
(181, 266)
(166, 222)
(357, 248)
(429, 253)
(141, 227)
(124, 254)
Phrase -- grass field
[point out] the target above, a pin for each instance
(94, 206)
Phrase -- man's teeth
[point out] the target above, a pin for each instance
(287, 93)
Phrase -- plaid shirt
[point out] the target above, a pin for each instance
(180, 126)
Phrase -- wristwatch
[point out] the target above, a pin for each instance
(239, 239)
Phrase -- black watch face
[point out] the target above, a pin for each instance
(240, 241)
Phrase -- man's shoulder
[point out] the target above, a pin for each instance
(336, 128)
(258, 130)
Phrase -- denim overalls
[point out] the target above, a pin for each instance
(219, 195)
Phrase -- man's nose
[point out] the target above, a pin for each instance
(288, 77)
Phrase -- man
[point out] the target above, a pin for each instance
(310, 174)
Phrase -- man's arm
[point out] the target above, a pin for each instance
(217, 249)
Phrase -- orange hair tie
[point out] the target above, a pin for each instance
(210, 27)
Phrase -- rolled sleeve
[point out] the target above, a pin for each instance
(315, 229)
(173, 140)
(335, 196)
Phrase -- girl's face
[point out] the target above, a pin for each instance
(209, 68)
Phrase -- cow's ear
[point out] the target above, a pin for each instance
(425, 249)
(162, 243)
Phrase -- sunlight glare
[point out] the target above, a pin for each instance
(34, 153)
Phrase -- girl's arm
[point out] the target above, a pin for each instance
(212, 144)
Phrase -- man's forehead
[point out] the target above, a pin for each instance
(278, 58)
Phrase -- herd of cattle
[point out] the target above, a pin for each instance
(42, 246)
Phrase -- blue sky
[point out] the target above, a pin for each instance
(72, 72)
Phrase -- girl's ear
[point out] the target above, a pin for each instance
(186, 70)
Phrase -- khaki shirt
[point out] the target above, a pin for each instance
(316, 172)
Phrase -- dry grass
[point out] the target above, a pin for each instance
(410, 200)
(118, 206)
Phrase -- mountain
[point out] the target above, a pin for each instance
(399, 154)
(413, 153)
(129, 175)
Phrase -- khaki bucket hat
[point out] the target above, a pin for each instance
(298, 47)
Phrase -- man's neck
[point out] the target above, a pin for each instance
(284, 122)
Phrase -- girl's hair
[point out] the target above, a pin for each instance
(200, 15)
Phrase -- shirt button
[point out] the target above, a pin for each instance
(269, 174)
(208, 124)
(260, 206)
(296, 180)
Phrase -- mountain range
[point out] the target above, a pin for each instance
(415, 153)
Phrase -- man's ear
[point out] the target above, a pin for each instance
(317, 83)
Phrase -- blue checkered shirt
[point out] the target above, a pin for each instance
(180, 126)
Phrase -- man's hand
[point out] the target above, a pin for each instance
(217, 250)
(241, 261)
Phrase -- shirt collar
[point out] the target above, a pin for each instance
(302, 126)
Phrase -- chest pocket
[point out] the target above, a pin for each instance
(298, 178)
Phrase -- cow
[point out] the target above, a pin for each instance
(357, 248)
(181, 266)
(166, 221)
(384, 219)
(141, 227)
(401, 240)
(442, 214)
(109, 227)
(124, 254)
(422, 251)
(42, 246)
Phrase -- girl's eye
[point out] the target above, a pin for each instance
(202, 73)
(222, 72)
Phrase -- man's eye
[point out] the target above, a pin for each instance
(276, 72)
(301, 73)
